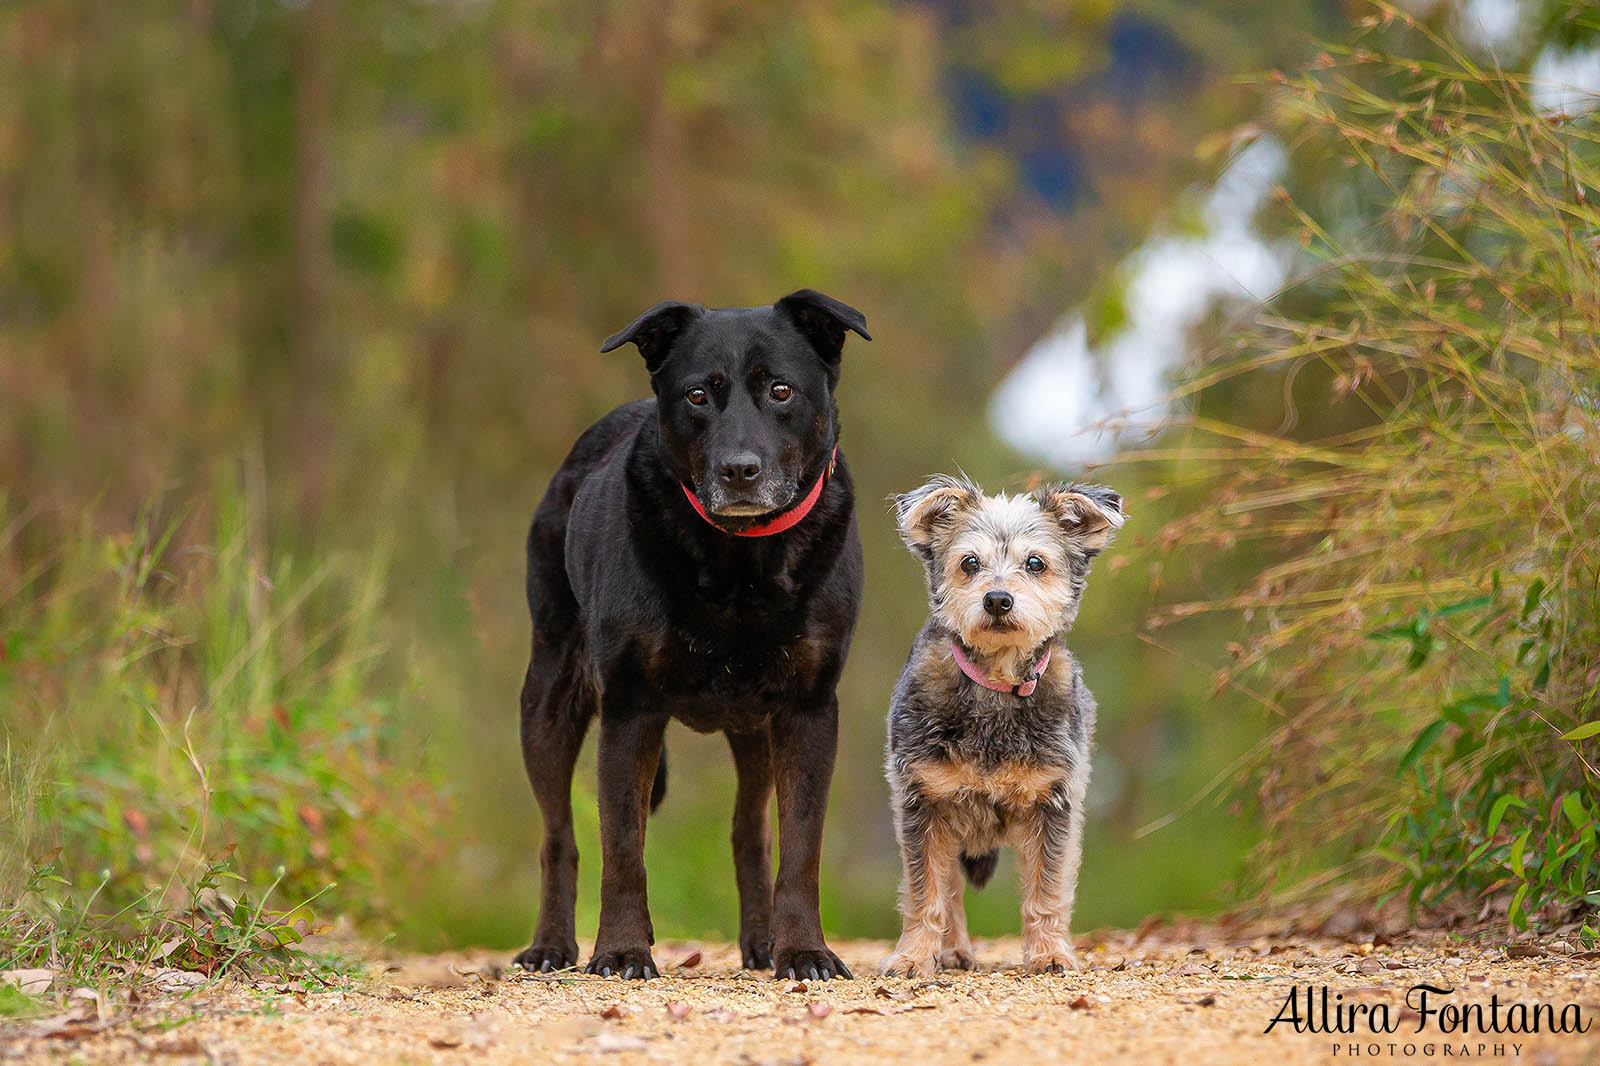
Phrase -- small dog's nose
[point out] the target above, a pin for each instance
(740, 471)
(997, 602)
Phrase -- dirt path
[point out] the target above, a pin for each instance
(1189, 994)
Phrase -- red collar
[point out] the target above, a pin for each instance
(787, 520)
(1025, 689)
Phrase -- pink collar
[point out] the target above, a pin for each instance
(1024, 689)
(787, 520)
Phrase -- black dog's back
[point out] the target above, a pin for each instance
(550, 598)
(551, 603)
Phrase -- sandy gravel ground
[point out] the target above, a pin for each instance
(1186, 994)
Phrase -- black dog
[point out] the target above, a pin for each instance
(696, 557)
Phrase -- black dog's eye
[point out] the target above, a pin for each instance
(781, 391)
(1035, 565)
(696, 395)
(969, 565)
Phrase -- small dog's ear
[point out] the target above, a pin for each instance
(1089, 514)
(922, 511)
(823, 321)
(654, 331)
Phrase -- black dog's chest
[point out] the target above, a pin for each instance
(711, 684)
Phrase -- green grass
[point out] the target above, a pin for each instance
(202, 742)
(220, 932)
(14, 1003)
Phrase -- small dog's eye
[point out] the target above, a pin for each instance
(1035, 565)
(970, 564)
(696, 395)
(781, 391)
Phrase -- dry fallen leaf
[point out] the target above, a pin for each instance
(678, 1009)
(1081, 1003)
(1148, 926)
(690, 961)
(30, 982)
(488, 971)
(610, 1042)
(798, 986)
(819, 1010)
(433, 973)
(172, 980)
(863, 1010)
(176, 1045)
(613, 1012)
(1189, 969)
(1206, 1000)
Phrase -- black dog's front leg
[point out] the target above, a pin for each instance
(630, 746)
(803, 744)
(752, 845)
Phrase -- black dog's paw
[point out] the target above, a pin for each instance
(543, 958)
(808, 964)
(628, 963)
(757, 955)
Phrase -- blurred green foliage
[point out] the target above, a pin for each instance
(1418, 509)
(167, 699)
(365, 252)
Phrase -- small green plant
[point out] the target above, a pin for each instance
(193, 733)
(15, 1003)
(221, 932)
(1421, 587)
(1485, 821)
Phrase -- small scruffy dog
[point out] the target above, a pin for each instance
(990, 723)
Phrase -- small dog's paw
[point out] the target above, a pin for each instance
(543, 958)
(1061, 960)
(957, 959)
(757, 954)
(903, 965)
(628, 963)
(808, 964)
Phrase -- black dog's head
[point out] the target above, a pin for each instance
(745, 395)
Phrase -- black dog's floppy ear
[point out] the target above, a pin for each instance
(1090, 514)
(921, 512)
(823, 321)
(653, 332)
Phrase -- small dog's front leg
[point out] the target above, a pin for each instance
(928, 853)
(956, 953)
(1050, 844)
(630, 746)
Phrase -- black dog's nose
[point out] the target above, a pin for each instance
(741, 470)
(997, 602)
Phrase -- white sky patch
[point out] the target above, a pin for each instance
(1567, 81)
(1067, 404)
(1489, 25)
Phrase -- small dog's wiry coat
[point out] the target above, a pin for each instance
(971, 768)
